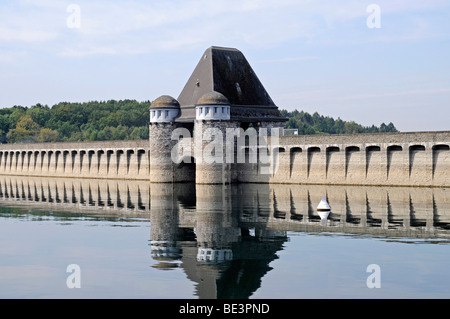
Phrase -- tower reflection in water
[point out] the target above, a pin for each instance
(225, 237)
(225, 260)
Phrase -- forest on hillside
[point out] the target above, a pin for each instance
(308, 124)
(89, 121)
(128, 120)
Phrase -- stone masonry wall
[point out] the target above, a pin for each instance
(395, 159)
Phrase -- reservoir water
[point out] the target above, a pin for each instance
(63, 238)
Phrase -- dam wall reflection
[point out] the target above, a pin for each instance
(225, 237)
(277, 207)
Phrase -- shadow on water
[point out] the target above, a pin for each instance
(225, 237)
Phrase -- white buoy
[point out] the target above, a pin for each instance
(323, 209)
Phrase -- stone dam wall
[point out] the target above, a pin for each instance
(111, 159)
(394, 159)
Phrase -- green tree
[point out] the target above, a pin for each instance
(4, 122)
(139, 133)
(26, 130)
(66, 129)
(39, 113)
(47, 135)
(15, 116)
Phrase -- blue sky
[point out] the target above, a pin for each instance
(310, 55)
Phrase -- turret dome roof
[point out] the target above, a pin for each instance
(213, 98)
(165, 102)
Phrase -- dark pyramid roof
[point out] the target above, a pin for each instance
(227, 71)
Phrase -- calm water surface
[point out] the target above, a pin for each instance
(141, 240)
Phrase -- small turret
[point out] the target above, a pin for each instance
(164, 109)
(163, 112)
(212, 106)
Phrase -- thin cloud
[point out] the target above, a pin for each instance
(10, 57)
(151, 26)
(26, 35)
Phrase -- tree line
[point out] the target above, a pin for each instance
(89, 121)
(128, 120)
(308, 124)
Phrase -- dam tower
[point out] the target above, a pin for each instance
(223, 92)
(163, 112)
